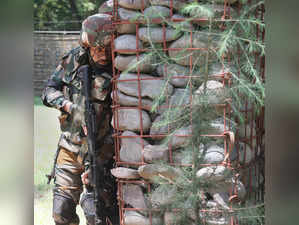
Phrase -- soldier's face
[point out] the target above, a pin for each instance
(101, 54)
(98, 55)
(107, 40)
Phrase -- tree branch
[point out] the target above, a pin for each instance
(75, 12)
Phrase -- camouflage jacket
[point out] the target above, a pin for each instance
(64, 86)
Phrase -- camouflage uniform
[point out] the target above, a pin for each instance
(63, 87)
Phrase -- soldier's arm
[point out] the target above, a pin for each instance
(52, 95)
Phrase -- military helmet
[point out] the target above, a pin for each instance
(94, 30)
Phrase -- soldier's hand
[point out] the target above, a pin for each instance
(84, 177)
(67, 107)
(84, 129)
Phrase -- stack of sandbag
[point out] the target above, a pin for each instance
(143, 76)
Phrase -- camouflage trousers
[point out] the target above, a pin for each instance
(68, 192)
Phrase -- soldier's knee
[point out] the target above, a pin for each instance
(64, 211)
(87, 204)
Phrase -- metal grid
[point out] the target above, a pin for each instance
(252, 173)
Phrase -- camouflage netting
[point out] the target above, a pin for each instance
(171, 95)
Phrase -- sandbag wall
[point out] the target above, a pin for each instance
(140, 78)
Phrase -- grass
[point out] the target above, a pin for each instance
(46, 135)
(37, 101)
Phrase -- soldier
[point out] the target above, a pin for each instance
(63, 91)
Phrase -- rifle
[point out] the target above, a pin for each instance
(97, 169)
(52, 174)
